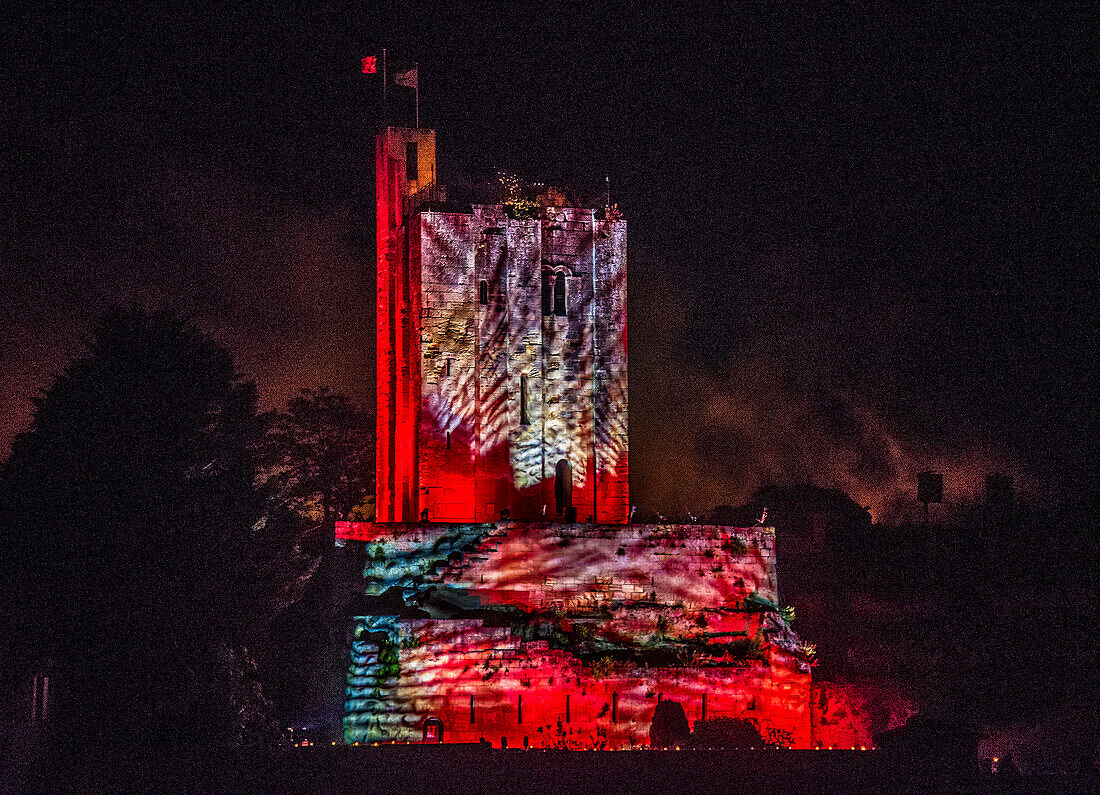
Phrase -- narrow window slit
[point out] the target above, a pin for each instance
(523, 418)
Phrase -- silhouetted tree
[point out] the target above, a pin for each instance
(141, 551)
(320, 455)
(948, 742)
(322, 449)
(734, 733)
(669, 728)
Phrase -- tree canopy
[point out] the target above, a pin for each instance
(322, 453)
(145, 560)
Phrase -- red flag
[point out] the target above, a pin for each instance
(370, 65)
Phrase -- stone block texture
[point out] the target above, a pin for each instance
(502, 386)
(562, 635)
(502, 366)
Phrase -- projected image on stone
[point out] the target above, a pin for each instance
(504, 596)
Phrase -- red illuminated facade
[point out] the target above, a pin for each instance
(531, 634)
(502, 368)
(502, 595)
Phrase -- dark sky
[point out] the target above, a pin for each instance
(859, 240)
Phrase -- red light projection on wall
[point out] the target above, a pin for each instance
(502, 368)
(502, 386)
(555, 635)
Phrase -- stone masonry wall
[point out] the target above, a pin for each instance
(508, 389)
(485, 684)
(610, 329)
(588, 627)
(543, 565)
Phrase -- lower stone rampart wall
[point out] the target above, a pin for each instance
(567, 635)
(485, 684)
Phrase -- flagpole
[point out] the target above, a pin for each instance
(385, 113)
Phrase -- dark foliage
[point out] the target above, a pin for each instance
(948, 742)
(670, 727)
(1015, 642)
(322, 451)
(144, 563)
(320, 462)
(746, 649)
(728, 733)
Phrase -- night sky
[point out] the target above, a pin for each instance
(859, 241)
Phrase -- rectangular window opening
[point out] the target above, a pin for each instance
(471, 709)
(483, 292)
(412, 164)
(559, 295)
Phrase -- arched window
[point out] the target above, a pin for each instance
(559, 294)
(483, 292)
(433, 730)
(523, 418)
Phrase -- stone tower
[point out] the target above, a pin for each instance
(502, 368)
(502, 386)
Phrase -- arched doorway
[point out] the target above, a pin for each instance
(563, 487)
(433, 730)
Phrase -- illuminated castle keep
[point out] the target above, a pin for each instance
(502, 387)
(501, 354)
